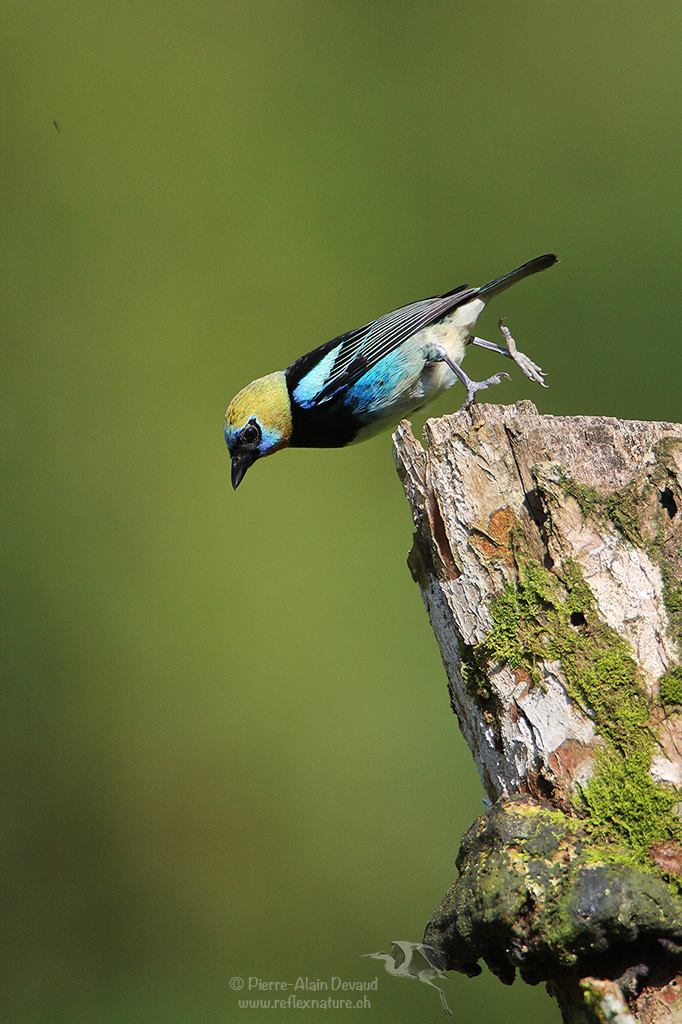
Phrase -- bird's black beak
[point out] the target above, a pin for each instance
(240, 464)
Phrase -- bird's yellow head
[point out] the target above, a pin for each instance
(257, 422)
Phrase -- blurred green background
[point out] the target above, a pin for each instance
(226, 742)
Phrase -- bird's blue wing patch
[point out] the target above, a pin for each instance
(365, 347)
(380, 386)
(309, 386)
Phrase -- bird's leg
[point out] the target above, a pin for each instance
(531, 369)
(437, 354)
(446, 1009)
(423, 976)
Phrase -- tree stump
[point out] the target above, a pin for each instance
(548, 551)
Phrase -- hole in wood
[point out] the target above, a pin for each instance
(667, 499)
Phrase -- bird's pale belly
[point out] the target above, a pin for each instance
(417, 390)
(403, 382)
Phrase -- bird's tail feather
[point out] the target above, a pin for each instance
(525, 270)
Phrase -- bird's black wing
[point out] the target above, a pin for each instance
(359, 350)
(362, 348)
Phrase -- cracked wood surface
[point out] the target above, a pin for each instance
(481, 475)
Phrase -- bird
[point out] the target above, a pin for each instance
(366, 380)
(417, 961)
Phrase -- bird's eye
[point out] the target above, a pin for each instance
(251, 433)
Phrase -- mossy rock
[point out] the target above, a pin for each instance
(535, 894)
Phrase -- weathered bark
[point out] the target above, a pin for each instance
(549, 555)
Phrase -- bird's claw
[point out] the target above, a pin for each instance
(531, 369)
(474, 386)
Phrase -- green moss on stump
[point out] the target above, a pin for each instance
(671, 688)
(550, 617)
(627, 805)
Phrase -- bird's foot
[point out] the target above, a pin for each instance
(474, 386)
(437, 354)
(531, 369)
(446, 1009)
